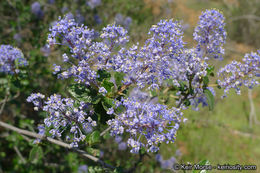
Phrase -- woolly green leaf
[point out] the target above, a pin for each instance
(95, 137)
(36, 154)
(80, 92)
(107, 103)
(103, 75)
(107, 85)
(210, 99)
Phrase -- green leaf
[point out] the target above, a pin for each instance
(191, 91)
(3, 81)
(93, 151)
(36, 154)
(210, 69)
(153, 93)
(120, 109)
(107, 85)
(25, 82)
(88, 139)
(81, 92)
(187, 102)
(107, 135)
(95, 137)
(96, 99)
(182, 86)
(210, 99)
(202, 163)
(218, 86)
(205, 81)
(103, 75)
(107, 103)
(118, 78)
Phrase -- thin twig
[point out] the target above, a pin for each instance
(26, 138)
(104, 132)
(55, 165)
(173, 96)
(54, 141)
(141, 156)
(166, 90)
(17, 15)
(252, 116)
(12, 98)
(20, 155)
(247, 17)
(228, 128)
(212, 85)
(3, 104)
(244, 134)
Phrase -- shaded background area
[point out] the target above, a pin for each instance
(222, 136)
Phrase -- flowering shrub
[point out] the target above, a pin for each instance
(114, 86)
(63, 114)
(36, 10)
(10, 59)
(106, 67)
(244, 73)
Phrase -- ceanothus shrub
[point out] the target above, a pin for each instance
(11, 59)
(103, 69)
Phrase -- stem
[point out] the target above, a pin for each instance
(4, 102)
(123, 88)
(104, 132)
(252, 116)
(54, 141)
(213, 85)
(136, 163)
(20, 155)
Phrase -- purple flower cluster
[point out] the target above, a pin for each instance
(165, 164)
(97, 19)
(210, 34)
(87, 55)
(123, 21)
(236, 74)
(188, 64)
(114, 35)
(64, 114)
(79, 39)
(93, 3)
(162, 60)
(79, 17)
(149, 65)
(121, 145)
(45, 50)
(36, 9)
(189, 68)
(148, 124)
(83, 169)
(10, 59)
(41, 131)
(102, 90)
(152, 63)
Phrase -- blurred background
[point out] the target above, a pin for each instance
(230, 134)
